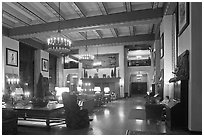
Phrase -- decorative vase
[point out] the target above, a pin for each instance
(111, 73)
(114, 73)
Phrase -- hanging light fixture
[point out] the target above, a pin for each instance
(59, 43)
(86, 57)
(97, 62)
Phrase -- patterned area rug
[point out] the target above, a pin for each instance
(137, 114)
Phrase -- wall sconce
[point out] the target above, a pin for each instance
(27, 94)
(12, 79)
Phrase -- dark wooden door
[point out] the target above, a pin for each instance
(138, 88)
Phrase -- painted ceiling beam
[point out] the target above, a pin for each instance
(104, 11)
(114, 31)
(5, 31)
(77, 9)
(128, 6)
(33, 43)
(92, 42)
(16, 18)
(12, 12)
(103, 21)
(34, 11)
(56, 9)
(102, 8)
(98, 32)
(28, 10)
(83, 35)
(106, 41)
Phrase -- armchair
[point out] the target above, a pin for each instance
(76, 118)
(9, 122)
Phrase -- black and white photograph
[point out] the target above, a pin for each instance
(45, 64)
(11, 57)
(183, 16)
(101, 68)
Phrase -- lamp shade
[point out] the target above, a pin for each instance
(79, 89)
(106, 89)
(60, 90)
(97, 89)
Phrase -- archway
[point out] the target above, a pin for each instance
(138, 83)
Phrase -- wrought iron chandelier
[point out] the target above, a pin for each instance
(86, 57)
(59, 43)
(97, 62)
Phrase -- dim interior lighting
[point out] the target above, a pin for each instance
(13, 94)
(106, 90)
(139, 107)
(97, 63)
(106, 112)
(79, 89)
(121, 83)
(27, 93)
(97, 89)
(139, 121)
(60, 90)
(80, 82)
(138, 57)
(75, 76)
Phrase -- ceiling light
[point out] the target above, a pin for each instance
(97, 62)
(86, 56)
(59, 43)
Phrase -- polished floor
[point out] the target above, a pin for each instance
(118, 117)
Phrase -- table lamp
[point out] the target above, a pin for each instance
(97, 89)
(106, 90)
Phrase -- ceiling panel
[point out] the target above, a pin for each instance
(123, 31)
(106, 33)
(90, 8)
(38, 12)
(21, 10)
(141, 5)
(114, 7)
(142, 29)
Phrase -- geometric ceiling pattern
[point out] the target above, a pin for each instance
(105, 23)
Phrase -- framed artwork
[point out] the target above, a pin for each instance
(45, 65)
(162, 46)
(183, 16)
(11, 57)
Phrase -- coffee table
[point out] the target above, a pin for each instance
(46, 114)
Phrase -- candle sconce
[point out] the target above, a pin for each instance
(12, 79)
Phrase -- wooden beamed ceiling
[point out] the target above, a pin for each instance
(92, 23)
(121, 23)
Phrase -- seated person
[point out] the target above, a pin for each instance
(75, 117)
(165, 101)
